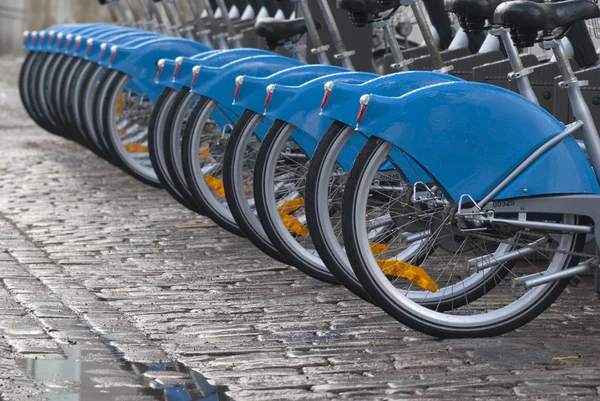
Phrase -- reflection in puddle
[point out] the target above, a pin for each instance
(100, 374)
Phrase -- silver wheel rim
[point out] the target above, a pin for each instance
(211, 201)
(309, 256)
(142, 165)
(407, 300)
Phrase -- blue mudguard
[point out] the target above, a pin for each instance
(37, 40)
(306, 98)
(305, 116)
(72, 44)
(470, 136)
(218, 83)
(343, 102)
(140, 60)
(115, 36)
(95, 53)
(217, 59)
(65, 39)
(252, 92)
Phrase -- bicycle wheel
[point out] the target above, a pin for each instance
(472, 270)
(25, 78)
(70, 106)
(46, 91)
(279, 183)
(325, 182)
(58, 83)
(203, 144)
(238, 179)
(177, 119)
(157, 129)
(84, 95)
(123, 116)
(37, 84)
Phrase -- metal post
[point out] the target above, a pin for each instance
(172, 23)
(399, 63)
(519, 72)
(112, 12)
(436, 58)
(147, 16)
(338, 43)
(160, 25)
(578, 104)
(136, 19)
(234, 37)
(202, 34)
(318, 48)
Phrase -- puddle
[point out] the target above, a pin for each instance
(98, 372)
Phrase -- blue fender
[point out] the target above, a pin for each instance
(95, 54)
(166, 77)
(252, 93)
(305, 115)
(38, 40)
(470, 136)
(218, 83)
(343, 102)
(216, 59)
(139, 62)
(65, 38)
(72, 41)
(306, 99)
(104, 35)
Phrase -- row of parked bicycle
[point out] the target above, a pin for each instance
(460, 208)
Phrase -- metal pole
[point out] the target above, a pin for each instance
(202, 34)
(221, 39)
(147, 16)
(338, 43)
(434, 52)
(400, 63)
(136, 18)
(234, 37)
(160, 27)
(318, 48)
(519, 72)
(578, 104)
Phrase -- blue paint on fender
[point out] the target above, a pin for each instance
(470, 136)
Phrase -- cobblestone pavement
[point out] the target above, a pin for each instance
(82, 243)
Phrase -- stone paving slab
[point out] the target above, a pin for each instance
(163, 282)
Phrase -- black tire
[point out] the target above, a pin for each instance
(196, 185)
(237, 204)
(49, 77)
(172, 147)
(70, 109)
(105, 109)
(156, 130)
(85, 93)
(25, 77)
(412, 320)
(261, 196)
(313, 215)
(36, 94)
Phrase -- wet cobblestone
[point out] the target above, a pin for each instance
(80, 240)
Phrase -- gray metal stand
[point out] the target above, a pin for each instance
(361, 43)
